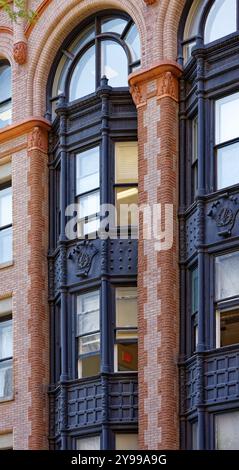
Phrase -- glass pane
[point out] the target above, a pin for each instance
(88, 443)
(195, 436)
(83, 78)
(132, 39)
(5, 207)
(229, 327)
(5, 380)
(87, 170)
(6, 245)
(227, 431)
(227, 275)
(6, 339)
(126, 307)
(221, 20)
(187, 50)
(114, 64)
(88, 308)
(5, 83)
(227, 128)
(228, 166)
(115, 25)
(126, 441)
(89, 204)
(127, 197)
(126, 162)
(89, 344)
(5, 114)
(127, 357)
(194, 287)
(86, 36)
(89, 366)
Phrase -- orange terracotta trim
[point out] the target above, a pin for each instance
(39, 11)
(160, 80)
(6, 29)
(13, 150)
(23, 127)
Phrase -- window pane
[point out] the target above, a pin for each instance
(187, 50)
(227, 431)
(126, 441)
(87, 170)
(228, 166)
(88, 443)
(115, 25)
(5, 207)
(227, 275)
(126, 162)
(6, 441)
(6, 339)
(5, 114)
(89, 366)
(227, 127)
(194, 291)
(5, 82)
(221, 20)
(6, 245)
(128, 197)
(133, 40)
(83, 78)
(126, 307)
(127, 357)
(89, 204)
(88, 306)
(82, 39)
(89, 344)
(5, 380)
(114, 64)
(229, 327)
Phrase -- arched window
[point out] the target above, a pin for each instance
(108, 46)
(209, 218)
(5, 94)
(208, 21)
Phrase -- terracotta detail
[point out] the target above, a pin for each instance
(150, 2)
(20, 52)
(165, 75)
(6, 29)
(22, 127)
(37, 140)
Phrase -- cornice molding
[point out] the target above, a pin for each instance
(23, 127)
(165, 76)
(6, 29)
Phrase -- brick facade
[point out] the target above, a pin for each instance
(31, 51)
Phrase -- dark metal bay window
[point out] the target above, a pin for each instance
(6, 350)
(209, 224)
(126, 334)
(5, 94)
(5, 214)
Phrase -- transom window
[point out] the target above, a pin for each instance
(214, 23)
(5, 94)
(108, 46)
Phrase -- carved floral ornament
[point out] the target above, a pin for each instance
(20, 52)
(160, 81)
(37, 140)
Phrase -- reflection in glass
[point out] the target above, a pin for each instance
(6, 245)
(83, 78)
(221, 21)
(227, 275)
(115, 25)
(5, 114)
(114, 64)
(227, 127)
(227, 431)
(87, 170)
(88, 443)
(228, 166)
(133, 41)
(5, 83)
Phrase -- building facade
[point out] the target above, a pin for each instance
(119, 330)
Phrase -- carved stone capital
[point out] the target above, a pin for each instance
(37, 140)
(20, 52)
(161, 81)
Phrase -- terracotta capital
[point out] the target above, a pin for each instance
(150, 2)
(37, 140)
(160, 80)
(20, 52)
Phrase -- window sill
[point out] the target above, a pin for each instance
(6, 400)
(6, 265)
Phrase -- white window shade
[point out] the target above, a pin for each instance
(126, 307)
(88, 443)
(227, 431)
(5, 207)
(227, 275)
(6, 441)
(126, 441)
(87, 170)
(6, 339)
(5, 306)
(88, 306)
(126, 162)
(227, 125)
(5, 172)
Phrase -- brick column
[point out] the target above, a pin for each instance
(155, 93)
(38, 355)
